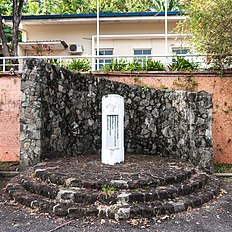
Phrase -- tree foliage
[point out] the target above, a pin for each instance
(210, 24)
(6, 7)
(173, 5)
(89, 6)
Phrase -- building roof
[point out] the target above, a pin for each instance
(103, 15)
(112, 18)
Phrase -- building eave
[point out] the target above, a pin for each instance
(52, 44)
(104, 17)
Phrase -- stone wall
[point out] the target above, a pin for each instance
(61, 116)
(220, 86)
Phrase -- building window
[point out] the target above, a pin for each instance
(102, 62)
(180, 51)
(142, 52)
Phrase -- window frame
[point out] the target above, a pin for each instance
(141, 56)
(142, 51)
(103, 61)
(174, 49)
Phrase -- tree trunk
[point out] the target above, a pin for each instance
(17, 15)
(5, 47)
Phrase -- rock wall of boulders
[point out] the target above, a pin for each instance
(61, 116)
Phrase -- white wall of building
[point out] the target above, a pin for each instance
(82, 34)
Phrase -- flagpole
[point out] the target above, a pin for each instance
(98, 32)
(166, 27)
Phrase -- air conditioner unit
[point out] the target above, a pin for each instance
(75, 48)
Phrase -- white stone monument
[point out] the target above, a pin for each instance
(112, 129)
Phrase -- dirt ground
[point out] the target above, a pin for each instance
(213, 216)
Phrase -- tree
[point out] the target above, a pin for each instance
(17, 15)
(6, 7)
(32, 7)
(173, 5)
(38, 7)
(209, 23)
(89, 6)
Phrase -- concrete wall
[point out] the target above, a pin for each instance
(61, 116)
(10, 98)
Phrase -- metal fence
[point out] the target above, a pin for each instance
(96, 63)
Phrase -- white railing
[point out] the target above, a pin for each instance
(9, 64)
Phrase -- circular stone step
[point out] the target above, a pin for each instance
(119, 210)
(142, 186)
(136, 172)
(84, 195)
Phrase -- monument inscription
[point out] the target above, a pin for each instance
(112, 133)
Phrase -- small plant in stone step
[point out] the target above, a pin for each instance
(108, 190)
(145, 89)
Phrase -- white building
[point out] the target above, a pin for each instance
(120, 34)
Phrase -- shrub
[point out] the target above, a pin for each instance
(180, 63)
(134, 66)
(79, 65)
(153, 65)
(122, 65)
(115, 65)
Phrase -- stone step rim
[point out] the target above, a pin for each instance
(55, 178)
(85, 195)
(19, 194)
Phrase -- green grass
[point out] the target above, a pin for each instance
(5, 166)
(223, 168)
(108, 190)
